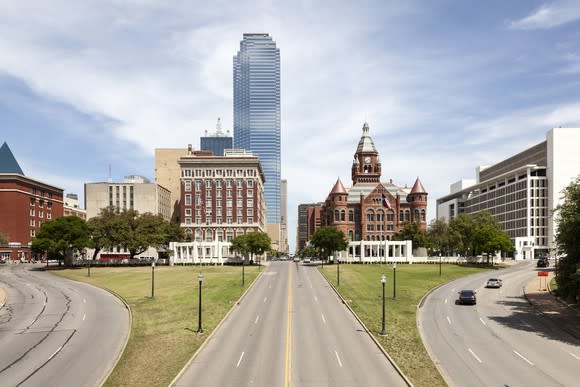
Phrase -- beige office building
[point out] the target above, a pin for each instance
(168, 173)
(136, 192)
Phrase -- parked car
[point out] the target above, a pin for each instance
(296, 259)
(494, 283)
(543, 262)
(306, 260)
(467, 297)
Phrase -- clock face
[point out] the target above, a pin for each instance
(367, 159)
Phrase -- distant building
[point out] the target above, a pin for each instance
(168, 175)
(257, 112)
(25, 204)
(221, 198)
(71, 207)
(136, 193)
(216, 142)
(308, 223)
(522, 191)
(284, 246)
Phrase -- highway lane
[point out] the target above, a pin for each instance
(500, 341)
(56, 332)
(291, 329)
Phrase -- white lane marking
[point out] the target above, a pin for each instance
(483, 322)
(315, 298)
(338, 358)
(55, 352)
(84, 316)
(239, 361)
(323, 319)
(574, 356)
(474, 355)
(257, 319)
(265, 299)
(520, 355)
(446, 300)
(448, 320)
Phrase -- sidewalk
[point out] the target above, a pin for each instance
(568, 317)
(2, 298)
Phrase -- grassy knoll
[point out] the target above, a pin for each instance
(163, 336)
(360, 285)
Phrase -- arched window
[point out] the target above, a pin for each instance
(342, 215)
(220, 235)
(380, 216)
(198, 235)
(401, 216)
(350, 216)
(423, 215)
(208, 235)
(336, 215)
(407, 215)
(416, 217)
(350, 235)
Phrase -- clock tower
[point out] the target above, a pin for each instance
(366, 166)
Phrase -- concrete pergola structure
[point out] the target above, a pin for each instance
(374, 252)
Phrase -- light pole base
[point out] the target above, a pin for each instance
(383, 334)
(200, 331)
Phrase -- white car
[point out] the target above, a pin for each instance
(494, 283)
(306, 260)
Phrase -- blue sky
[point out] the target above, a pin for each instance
(445, 85)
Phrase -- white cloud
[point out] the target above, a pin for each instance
(549, 16)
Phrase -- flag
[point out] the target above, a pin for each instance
(386, 203)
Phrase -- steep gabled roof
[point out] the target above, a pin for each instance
(418, 187)
(338, 188)
(366, 143)
(8, 163)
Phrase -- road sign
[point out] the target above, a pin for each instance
(542, 274)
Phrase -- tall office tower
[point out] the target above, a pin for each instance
(257, 111)
(216, 142)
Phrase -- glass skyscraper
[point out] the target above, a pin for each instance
(257, 111)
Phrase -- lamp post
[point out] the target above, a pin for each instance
(243, 273)
(394, 280)
(383, 330)
(439, 264)
(89, 269)
(153, 278)
(337, 271)
(199, 328)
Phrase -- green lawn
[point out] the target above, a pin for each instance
(163, 335)
(360, 285)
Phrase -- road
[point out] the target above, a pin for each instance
(291, 329)
(501, 341)
(56, 332)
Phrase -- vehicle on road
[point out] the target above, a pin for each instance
(306, 260)
(296, 259)
(543, 262)
(467, 297)
(494, 283)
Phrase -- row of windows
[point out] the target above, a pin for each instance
(209, 203)
(229, 212)
(40, 214)
(40, 202)
(209, 235)
(44, 194)
(380, 227)
(217, 172)
(229, 220)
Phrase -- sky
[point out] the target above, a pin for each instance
(92, 86)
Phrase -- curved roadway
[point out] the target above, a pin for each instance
(501, 341)
(56, 332)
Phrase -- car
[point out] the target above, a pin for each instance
(296, 259)
(306, 260)
(494, 283)
(543, 262)
(467, 297)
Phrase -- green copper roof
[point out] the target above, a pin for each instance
(8, 163)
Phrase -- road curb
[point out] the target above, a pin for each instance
(3, 298)
(192, 358)
(389, 358)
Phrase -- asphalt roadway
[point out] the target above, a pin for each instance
(504, 340)
(56, 332)
(291, 329)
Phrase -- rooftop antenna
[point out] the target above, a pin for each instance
(110, 180)
(218, 127)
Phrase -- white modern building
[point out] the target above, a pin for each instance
(522, 191)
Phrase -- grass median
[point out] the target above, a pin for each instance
(163, 335)
(361, 287)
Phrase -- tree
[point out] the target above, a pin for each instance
(60, 237)
(240, 246)
(258, 243)
(411, 231)
(439, 235)
(3, 239)
(139, 232)
(568, 243)
(104, 230)
(460, 230)
(328, 240)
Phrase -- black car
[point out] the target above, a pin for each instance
(467, 297)
(543, 262)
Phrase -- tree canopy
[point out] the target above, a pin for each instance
(568, 243)
(60, 237)
(254, 243)
(411, 231)
(328, 240)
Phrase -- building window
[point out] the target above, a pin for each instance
(218, 172)
(251, 220)
(188, 212)
(32, 201)
(250, 203)
(250, 212)
(188, 221)
(48, 215)
(228, 193)
(229, 203)
(239, 203)
(187, 185)
(32, 222)
(250, 172)
(229, 172)
(32, 212)
(40, 214)
(187, 172)
(251, 193)
(250, 183)
(188, 199)
(218, 193)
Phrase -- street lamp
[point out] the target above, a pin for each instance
(153, 278)
(89, 268)
(199, 328)
(439, 264)
(394, 280)
(243, 274)
(383, 330)
(337, 271)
